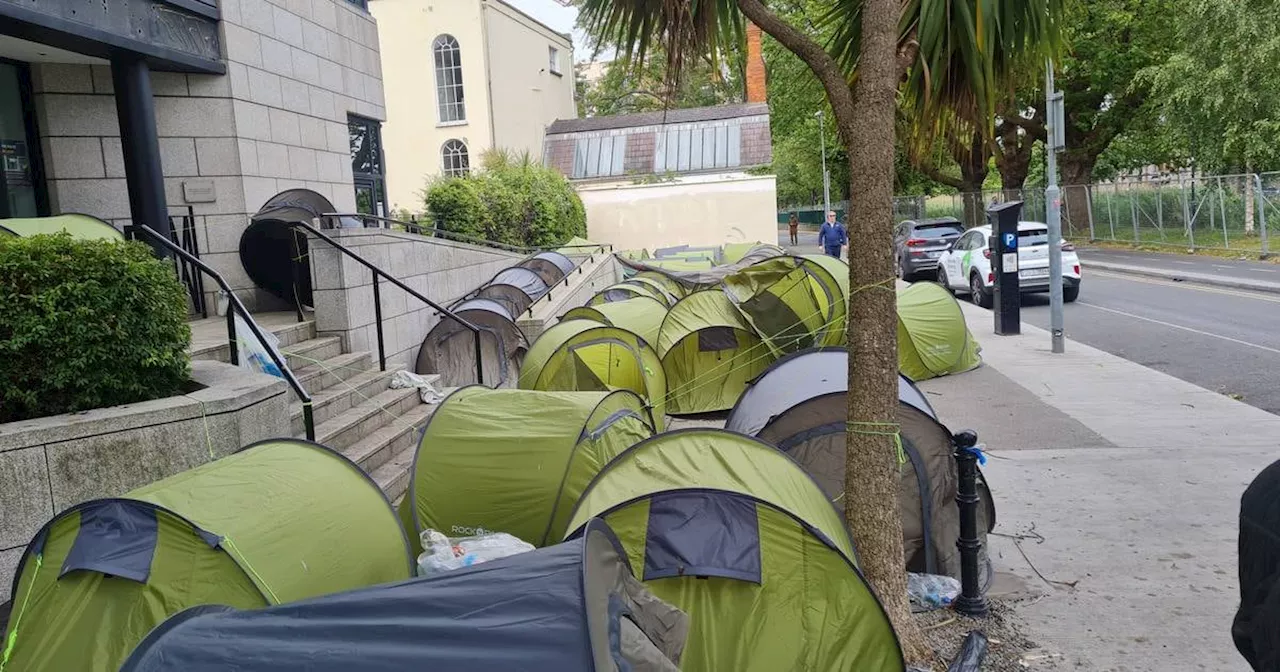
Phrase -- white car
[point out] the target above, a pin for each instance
(965, 267)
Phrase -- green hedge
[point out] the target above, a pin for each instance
(87, 324)
(512, 201)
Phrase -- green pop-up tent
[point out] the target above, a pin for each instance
(81, 227)
(734, 533)
(625, 291)
(793, 303)
(641, 316)
(515, 461)
(933, 339)
(587, 356)
(674, 288)
(279, 521)
(709, 353)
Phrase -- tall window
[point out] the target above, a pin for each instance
(367, 165)
(454, 159)
(449, 96)
(554, 55)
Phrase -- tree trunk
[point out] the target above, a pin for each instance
(871, 464)
(974, 164)
(1248, 198)
(1076, 175)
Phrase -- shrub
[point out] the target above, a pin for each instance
(87, 324)
(511, 200)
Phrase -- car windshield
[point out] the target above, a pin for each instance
(1033, 237)
(937, 230)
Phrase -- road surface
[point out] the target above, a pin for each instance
(1225, 340)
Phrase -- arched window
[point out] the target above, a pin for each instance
(454, 159)
(449, 79)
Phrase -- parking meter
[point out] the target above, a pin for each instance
(1006, 300)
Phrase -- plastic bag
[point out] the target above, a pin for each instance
(252, 355)
(442, 554)
(971, 654)
(931, 591)
(428, 392)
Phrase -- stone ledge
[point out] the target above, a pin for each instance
(225, 388)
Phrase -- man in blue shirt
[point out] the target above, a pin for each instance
(832, 235)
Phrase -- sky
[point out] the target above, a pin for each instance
(561, 19)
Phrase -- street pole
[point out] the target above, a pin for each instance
(1053, 201)
(826, 177)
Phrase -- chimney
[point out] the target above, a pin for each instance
(757, 88)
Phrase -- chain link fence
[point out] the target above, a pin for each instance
(1224, 212)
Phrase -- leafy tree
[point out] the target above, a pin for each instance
(512, 200)
(631, 85)
(952, 56)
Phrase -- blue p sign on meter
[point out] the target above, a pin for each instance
(1010, 241)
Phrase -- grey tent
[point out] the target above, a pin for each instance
(693, 281)
(516, 288)
(450, 348)
(274, 254)
(573, 606)
(798, 404)
(552, 267)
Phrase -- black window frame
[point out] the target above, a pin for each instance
(35, 157)
(374, 180)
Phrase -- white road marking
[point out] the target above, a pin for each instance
(1262, 270)
(1179, 326)
(1185, 263)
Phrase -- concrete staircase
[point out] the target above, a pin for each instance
(356, 412)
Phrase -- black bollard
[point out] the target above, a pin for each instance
(971, 601)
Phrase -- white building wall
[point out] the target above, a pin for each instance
(413, 134)
(696, 210)
(527, 96)
(277, 120)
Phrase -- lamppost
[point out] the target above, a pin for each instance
(826, 176)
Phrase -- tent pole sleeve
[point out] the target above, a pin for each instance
(971, 601)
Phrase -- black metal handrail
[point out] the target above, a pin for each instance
(431, 231)
(377, 299)
(234, 306)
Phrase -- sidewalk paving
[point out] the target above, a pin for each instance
(1132, 478)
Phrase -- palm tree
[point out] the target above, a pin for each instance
(946, 59)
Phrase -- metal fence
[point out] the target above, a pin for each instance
(1225, 212)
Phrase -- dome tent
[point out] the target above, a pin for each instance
(515, 461)
(551, 266)
(799, 405)
(625, 291)
(572, 606)
(516, 288)
(792, 302)
(449, 349)
(101, 574)
(587, 356)
(641, 316)
(673, 288)
(657, 288)
(933, 338)
(731, 531)
(274, 254)
(78, 226)
(708, 352)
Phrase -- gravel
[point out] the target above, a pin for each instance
(1009, 650)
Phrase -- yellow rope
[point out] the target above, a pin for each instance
(13, 631)
(248, 566)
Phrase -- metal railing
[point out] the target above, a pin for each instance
(1213, 212)
(184, 234)
(379, 274)
(436, 232)
(235, 306)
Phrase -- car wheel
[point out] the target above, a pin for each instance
(979, 295)
(942, 280)
(1070, 294)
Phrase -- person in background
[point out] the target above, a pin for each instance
(794, 225)
(832, 235)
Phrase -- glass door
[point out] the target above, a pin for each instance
(21, 185)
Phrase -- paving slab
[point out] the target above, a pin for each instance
(1117, 489)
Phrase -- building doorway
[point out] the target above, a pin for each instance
(22, 188)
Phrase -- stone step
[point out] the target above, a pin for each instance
(347, 428)
(398, 435)
(318, 377)
(309, 352)
(393, 475)
(341, 396)
(219, 350)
